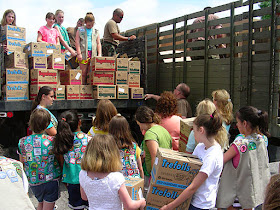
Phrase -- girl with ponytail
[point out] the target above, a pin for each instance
(70, 142)
(246, 172)
(204, 186)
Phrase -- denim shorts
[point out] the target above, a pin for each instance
(75, 200)
(48, 191)
(194, 208)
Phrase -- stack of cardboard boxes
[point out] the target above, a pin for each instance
(186, 126)
(15, 76)
(45, 60)
(172, 173)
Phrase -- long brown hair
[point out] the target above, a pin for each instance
(45, 90)
(104, 113)
(119, 129)
(4, 20)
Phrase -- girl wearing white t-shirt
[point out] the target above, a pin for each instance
(101, 181)
(204, 186)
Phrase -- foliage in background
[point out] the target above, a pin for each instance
(267, 4)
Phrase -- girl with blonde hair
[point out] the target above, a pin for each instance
(102, 183)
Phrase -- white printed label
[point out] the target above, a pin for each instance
(156, 161)
(57, 59)
(28, 48)
(49, 51)
(121, 90)
(59, 88)
(16, 34)
(68, 53)
(140, 193)
(78, 76)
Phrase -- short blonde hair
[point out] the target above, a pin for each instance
(224, 105)
(205, 107)
(102, 155)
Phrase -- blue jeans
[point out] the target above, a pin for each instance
(48, 191)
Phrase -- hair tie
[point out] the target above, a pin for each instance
(63, 119)
(229, 100)
(119, 115)
(211, 115)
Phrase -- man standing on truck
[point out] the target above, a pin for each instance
(218, 26)
(182, 91)
(112, 37)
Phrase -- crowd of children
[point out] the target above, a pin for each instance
(93, 165)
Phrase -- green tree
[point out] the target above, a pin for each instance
(267, 4)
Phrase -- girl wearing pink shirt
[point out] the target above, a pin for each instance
(47, 33)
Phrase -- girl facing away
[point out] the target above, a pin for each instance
(246, 172)
(205, 184)
(129, 150)
(40, 164)
(104, 113)
(45, 98)
(69, 145)
(207, 107)
(88, 44)
(101, 182)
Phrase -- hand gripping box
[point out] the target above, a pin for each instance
(102, 64)
(36, 49)
(186, 126)
(135, 187)
(172, 172)
(16, 60)
(43, 76)
(72, 92)
(104, 92)
(86, 92)
(71, 77)
(56, 61)
(13, 33)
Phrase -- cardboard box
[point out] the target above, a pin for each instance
(122, 92)
(56, 62)
(101, 78)
(121, 78)
(43, 76)
(134, 80)
(15, 76)
(135, 187)
(104, 92)
(37, 62)
(16, 60)
(16, 92)
(185, 130)
(172, 172)
(71, 77)
(53, 49)
(136, 93)
(134, 67)
(13, 33)
(68, 55)
(14, 46)
(86, 92)
(72, 92)
(122, 64)
(60, 92)
(34, 89)
(102, 64)
(36, 49)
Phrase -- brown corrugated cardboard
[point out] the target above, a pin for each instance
(43, 76)
(72, 92)
(104, 92)
(101, 78)
(134, 80)
(121, 78)
(35, 88)
(16, 92)
(71, 77)
(14, 46)
(36, 49)
(86, 92)
(16, 60)
(37, 62)
(56, 61)
(172, 172)
(185, 130)
(136, 93)
(60, 92)
(135, 187)
(122, 64)
(15, 76)
(53, 49)
(11, 32)
(122, 92)
(134, 67)
(102, 64)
